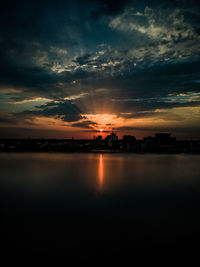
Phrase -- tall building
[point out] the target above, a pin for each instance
(112, 140)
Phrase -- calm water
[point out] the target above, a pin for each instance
(91, 206)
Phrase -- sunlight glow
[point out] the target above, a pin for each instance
(104, 121)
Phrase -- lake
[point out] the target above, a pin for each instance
(99, 207)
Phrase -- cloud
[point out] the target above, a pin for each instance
(163, 115)
(31, 100)
(136, 57)
(7, 119)
(160, 33)
(65, 110)
(85, 124)
(40, 68)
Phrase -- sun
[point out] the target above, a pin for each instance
(101, 130)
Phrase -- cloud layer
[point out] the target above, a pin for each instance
(130, 59)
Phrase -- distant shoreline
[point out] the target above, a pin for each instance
(99, 152)
(161, 143)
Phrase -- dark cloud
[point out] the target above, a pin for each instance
(64, 110)
(7, 119)
(140, 107)
(95, 131)
(85, 124)
(83, 60)
(169, 116)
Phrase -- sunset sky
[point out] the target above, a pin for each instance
(81, 68)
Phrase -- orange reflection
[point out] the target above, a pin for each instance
(100, 172)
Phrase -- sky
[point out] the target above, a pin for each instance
(86, 67)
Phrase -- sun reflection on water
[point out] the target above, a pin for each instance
(100, 172)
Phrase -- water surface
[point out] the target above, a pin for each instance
(64, 205)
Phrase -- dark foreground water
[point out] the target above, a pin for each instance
(141, 209)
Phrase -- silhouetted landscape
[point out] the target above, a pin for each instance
(160, 143)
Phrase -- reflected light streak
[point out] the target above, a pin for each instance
(101, 172)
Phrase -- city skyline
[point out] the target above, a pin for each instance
(82, 68)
